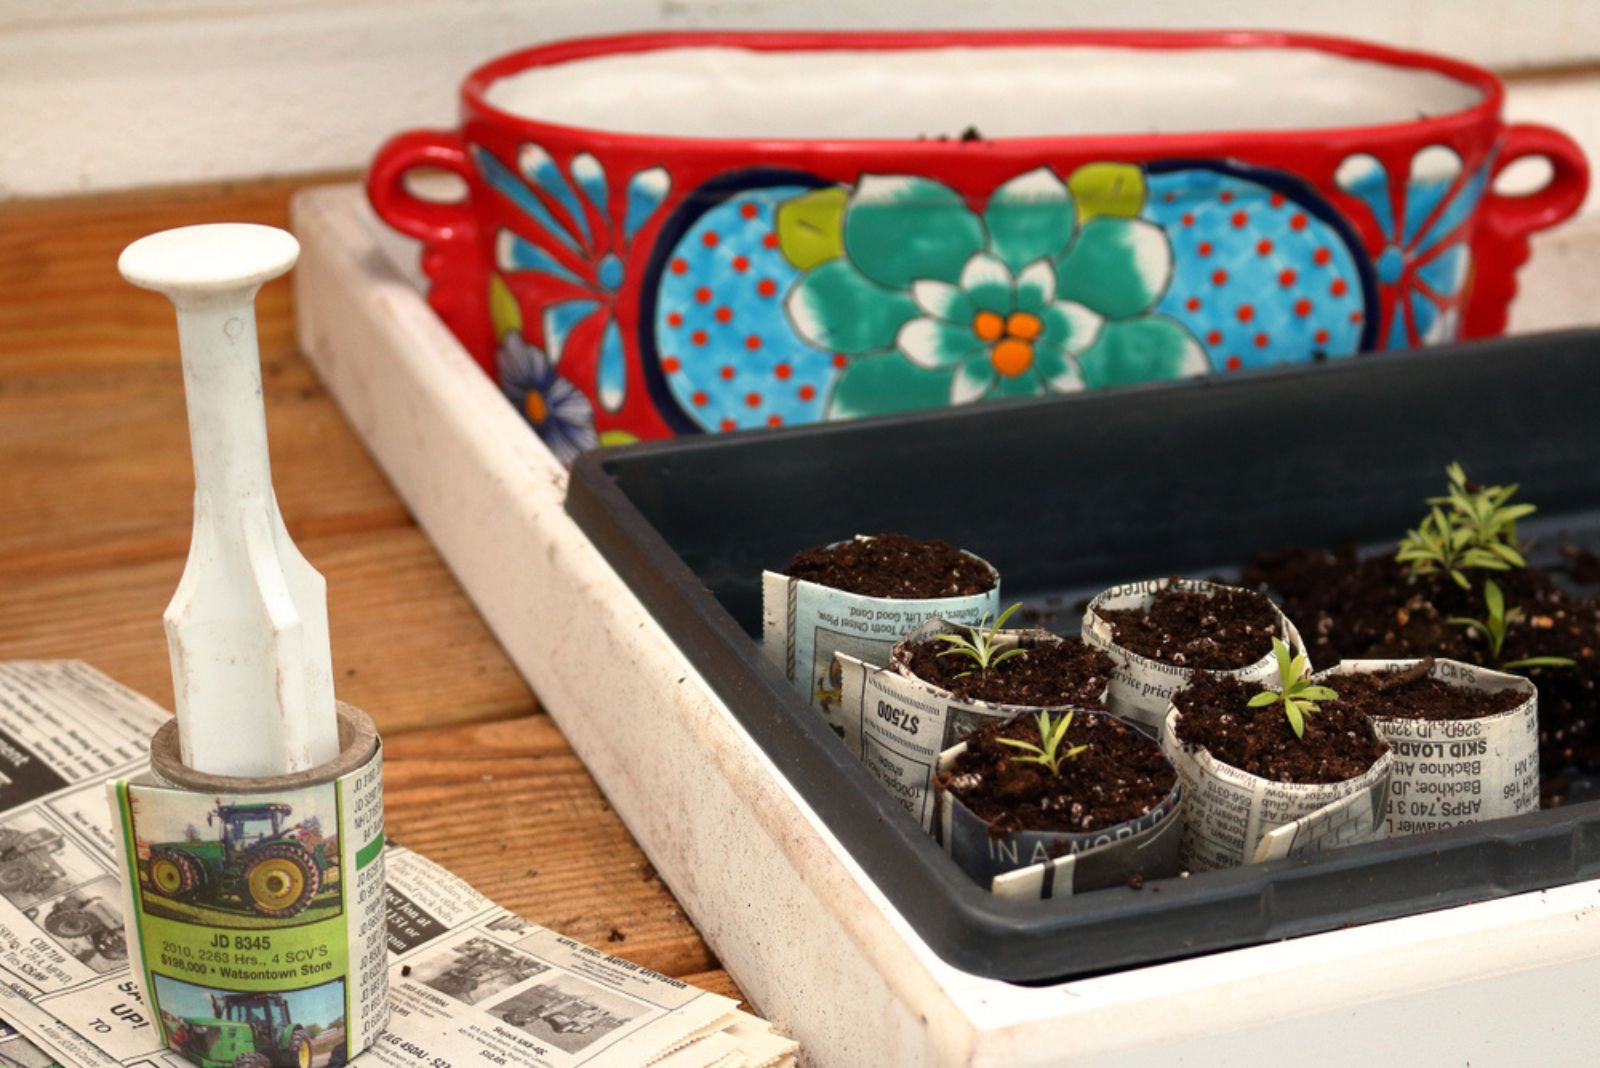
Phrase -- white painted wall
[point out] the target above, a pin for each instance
(108, 94)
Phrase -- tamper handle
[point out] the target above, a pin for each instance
(247, 629)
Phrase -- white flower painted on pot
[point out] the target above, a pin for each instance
(556, 409)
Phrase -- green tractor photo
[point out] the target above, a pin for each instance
(276, 869)
(248, 1031)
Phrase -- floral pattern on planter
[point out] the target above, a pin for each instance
(557, 410)
(931, 303)
(570, 254)
(1426, 258)
(1264, 276)
(782, 300)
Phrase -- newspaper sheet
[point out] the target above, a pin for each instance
(17, 1052)
(471, 983)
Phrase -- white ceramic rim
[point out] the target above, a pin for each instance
(698, 90)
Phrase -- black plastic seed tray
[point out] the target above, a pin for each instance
(1068, 495)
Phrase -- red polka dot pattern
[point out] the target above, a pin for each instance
(737, 361)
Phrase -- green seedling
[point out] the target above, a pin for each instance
(1469, 527)
(1493, 628)
(1052, 732)
(1296, 691)
(980, 645)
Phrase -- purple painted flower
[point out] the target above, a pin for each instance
(556, 409)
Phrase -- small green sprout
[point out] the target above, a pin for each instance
(1470, 527)
(980, 644)
(1295, 689)
(1493, 629)
(1052, 732)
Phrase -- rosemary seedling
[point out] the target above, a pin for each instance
(1052, 732)
(1493, 628)
(1469, 527)
(980, 645)
(1295, 689)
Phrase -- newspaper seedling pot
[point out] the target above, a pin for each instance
(1141, 686)
(1037, 864)
(898, 723)
(806, 625)
(1453, 771)
(1235, 817)
(695, 233)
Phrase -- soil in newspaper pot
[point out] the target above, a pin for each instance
(1161, 632)
(858, 597)
(1273, 771)
(255, 906)
(946, 679)
(1465, 739)
(1056, 803)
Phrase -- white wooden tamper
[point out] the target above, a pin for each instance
(247, 629)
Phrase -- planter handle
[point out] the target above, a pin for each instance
(458, 288)
(1507, 221)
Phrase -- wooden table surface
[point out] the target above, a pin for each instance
(95, 507)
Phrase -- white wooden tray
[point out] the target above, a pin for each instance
(811, 941)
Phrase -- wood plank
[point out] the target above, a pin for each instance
(407, 646)
(543, 840)
(98, 471)
(65, 309)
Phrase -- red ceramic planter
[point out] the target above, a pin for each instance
(671, 234)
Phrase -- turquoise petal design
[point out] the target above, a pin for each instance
(1399, 338)
(887, 382)
(612, 376)
(1151, 349)
(542, 171)
(1056, 369)
(559, 319)
(1036, 286)
(1030, 217)
(836, 307)
(507, 184)
(1364, 177)
(1068, 326)
(646, 190)
(1118, 267)
(987, 282)
(943, 300)
(1027, 385)
(1447, 271)
(591, 179)
(516, 253)
(973, 379)
(935, 344)
(1456, 212)
(900, 228)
